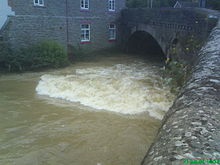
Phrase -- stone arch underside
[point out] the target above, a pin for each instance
(145, 39)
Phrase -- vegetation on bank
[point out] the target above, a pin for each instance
(42, 55)
(76, 53)
(175, 74)
(176, 69)
(211, 4)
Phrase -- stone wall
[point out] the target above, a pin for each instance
(34, 23)
(184, 19)
(190, 129)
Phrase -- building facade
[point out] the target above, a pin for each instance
(89, 24)
(193, 3)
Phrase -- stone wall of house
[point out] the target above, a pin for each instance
(52, 21)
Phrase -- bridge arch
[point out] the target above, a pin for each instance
(143, 42)
(171, 28)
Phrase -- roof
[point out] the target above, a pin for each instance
(186, 4)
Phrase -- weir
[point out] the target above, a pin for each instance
(190, 129)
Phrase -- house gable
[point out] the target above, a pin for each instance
(177, 5)
(183, 4)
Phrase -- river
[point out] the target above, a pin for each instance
(97, 112)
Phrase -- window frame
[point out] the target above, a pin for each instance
(83, 5)
(38, 3)
(112, 30)
(111, 5)
(84, 33)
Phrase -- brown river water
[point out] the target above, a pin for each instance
(99, 112)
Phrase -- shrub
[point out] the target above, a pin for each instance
(5, 52)
(176, 73)
(191, 46)
(45, 54)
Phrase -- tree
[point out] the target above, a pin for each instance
(213, 4)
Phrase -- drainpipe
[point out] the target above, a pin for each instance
(151, 4)
(67, 26)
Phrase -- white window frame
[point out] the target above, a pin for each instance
(38, 3)
(84, 31)
(111, 5)
(112, 31)
(83, 4)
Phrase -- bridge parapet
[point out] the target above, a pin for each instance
(196, 18)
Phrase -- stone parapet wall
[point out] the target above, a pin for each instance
(192, 20)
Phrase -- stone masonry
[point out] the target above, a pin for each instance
(167, 25)
(190, 130)
(60, 21)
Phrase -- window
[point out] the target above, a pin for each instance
(84, 4)
(85, 32)
(111, 5)
(112, 32)
(39, 2)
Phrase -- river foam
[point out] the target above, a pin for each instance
(121, 88)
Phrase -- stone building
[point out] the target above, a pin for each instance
(89, 24)
(193, 3)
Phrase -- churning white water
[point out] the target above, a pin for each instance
(122, 88)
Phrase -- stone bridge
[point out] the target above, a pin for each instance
(168, 27)
(190, 131)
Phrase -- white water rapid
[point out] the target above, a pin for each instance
(121, 88)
